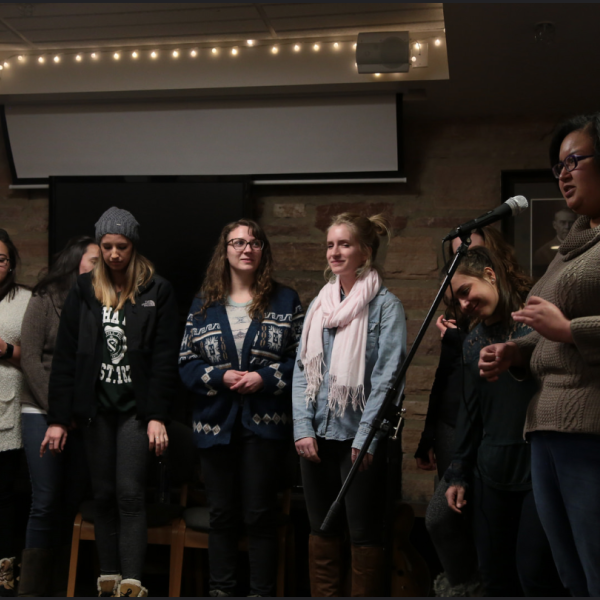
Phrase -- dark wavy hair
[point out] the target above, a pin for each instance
(60, 277)
(217, 283)
(512, 289)
(589, 124)
(8, 288)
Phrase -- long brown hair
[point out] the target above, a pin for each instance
(138, 274)
(367, 231)
(512, 288)
(217, 283)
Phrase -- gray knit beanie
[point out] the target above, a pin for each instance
(117, 221)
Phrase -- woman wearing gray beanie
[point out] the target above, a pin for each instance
(115, 373)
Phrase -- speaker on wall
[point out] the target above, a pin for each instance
(386, 52)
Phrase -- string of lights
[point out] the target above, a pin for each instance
(192, 52)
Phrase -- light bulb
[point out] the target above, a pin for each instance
(194, 53)
(250, 42)
(214, 50)
(78, 58)
(41, 59)
(94, 55)
(274, 49)
(1, 67)
(296, 48)
(354, 46)
(20, 58)
(438, 42)
(57, 59)
(414, 59)
(234, 51)
(116, 56)
(377, 74)
(316, 47)
(153, 54)
(175, 53)
(6, 65)
(417, 46)
(134, 54)
(336, 46)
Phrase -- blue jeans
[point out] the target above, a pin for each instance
(566, 483)
(58, 484)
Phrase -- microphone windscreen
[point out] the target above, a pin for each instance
(517, 204)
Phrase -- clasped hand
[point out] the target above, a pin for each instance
(546, 318)
(243, 382)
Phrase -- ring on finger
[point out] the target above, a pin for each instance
(301, 452)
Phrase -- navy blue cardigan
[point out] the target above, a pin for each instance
(208, 350)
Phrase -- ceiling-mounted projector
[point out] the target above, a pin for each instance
(383, 52)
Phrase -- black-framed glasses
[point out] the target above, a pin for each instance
(239, 244)
(3, 260)
(570, 163)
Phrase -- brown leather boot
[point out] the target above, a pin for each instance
(325, 566)
(367, 571)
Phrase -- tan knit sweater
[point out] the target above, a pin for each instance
(569, 374)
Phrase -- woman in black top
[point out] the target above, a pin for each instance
(115, 373)
(491, 458)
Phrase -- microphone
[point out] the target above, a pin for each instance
(513, 206)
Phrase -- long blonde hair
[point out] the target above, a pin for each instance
(138, 274)
(217, 283)
(367, 231)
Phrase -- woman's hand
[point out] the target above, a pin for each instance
(546, 318)
(497, 358)
(455, 495)
(307, 448)
(427, 466)
(366, 461)
(248, 383)
(231, 377)
(443, 324)
(157, 435)
(55, 439)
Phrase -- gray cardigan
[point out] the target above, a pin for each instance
(38, 337)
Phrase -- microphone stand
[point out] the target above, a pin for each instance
(390, 417)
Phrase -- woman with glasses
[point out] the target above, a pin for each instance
(13, 391)
(563, 354)
(237, 356)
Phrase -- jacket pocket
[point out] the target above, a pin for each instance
(7, 420)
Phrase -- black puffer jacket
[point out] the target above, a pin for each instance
(153, 338)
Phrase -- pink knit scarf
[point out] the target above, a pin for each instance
(350, 317)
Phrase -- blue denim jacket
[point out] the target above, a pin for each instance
(386, 351)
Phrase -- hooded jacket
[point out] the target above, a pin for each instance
(152, 346)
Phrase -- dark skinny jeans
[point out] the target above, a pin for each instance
(117, 454)
(364, 502)
(9, 471)
(58, 484)
(241, 481)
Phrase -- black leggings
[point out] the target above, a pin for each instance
(9, 471)
(117, 453)
(514, 553)
(365, 500)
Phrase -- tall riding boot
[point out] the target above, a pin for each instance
(36, 572)
(367, 571)
(325, 566)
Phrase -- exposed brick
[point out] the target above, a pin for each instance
(326, 212)
(299, 256)
(398, 224)
(412, 298)
(439, 222)
(416, 410)
(417, 487)
(419, 379)
(430, 345)
(307, 288)
(289, 211)
(273, 230)
(411, 258)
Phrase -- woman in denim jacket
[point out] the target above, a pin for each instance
(352, 348)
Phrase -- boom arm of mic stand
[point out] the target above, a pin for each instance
(387, 409)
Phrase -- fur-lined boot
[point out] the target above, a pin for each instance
(7, 576)
(132, 588)
(108, 586)
(470, 589)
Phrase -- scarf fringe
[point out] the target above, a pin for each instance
(340, 396)
(313, 371)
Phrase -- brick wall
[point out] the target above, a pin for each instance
(453, 170)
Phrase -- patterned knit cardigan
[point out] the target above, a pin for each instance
(208, 350)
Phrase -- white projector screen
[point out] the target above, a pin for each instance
(275, 136)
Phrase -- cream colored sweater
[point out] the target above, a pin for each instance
(13, 388)
(569, 374)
